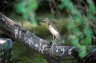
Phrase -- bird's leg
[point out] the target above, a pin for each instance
(53, 43)
(53, 39)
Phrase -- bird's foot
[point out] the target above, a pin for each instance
(52, 47)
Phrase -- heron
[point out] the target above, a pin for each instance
(51, 27)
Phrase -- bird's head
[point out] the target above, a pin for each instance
(47, 21)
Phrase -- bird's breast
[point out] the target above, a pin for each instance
(53, 30)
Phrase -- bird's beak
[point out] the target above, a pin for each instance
(43, 20)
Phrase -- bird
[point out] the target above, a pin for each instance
(51, 27)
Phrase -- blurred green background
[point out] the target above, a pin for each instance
(72, 21)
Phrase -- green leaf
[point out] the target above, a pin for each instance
(70, 25)
(82, 52)
(75, 42)
(91, 6)
(88, 32)
(78, 19)
(87, 40)
(33, 4)
(76, 30)
(19, 8)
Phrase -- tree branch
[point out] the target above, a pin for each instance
(20, 34)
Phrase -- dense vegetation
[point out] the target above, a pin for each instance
(76, 23)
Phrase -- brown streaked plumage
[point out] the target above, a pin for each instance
(52, 28)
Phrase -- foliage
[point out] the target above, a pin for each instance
(27, 8)
(80, 33)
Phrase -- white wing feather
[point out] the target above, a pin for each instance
(54, 32)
